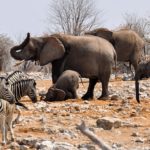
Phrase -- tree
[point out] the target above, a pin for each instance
(139, 24)
(5, 59)
(73, 16)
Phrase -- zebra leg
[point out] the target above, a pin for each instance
(16, 121)
(3, 128)
(10, 121)
(11, 131)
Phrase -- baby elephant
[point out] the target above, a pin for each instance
(143, 71)
(65, 87)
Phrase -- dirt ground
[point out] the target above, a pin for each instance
(61, 116)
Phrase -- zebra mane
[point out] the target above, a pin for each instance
(23, 81)
(16, 76)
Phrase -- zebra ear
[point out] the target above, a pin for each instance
(7, 83)
(34, 83)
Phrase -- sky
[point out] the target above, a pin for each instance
(17, 17)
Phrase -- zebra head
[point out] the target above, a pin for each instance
(31, 90)
(5, 91)
(25, 87)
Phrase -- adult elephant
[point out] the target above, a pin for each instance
(127, 43)
(91, 56)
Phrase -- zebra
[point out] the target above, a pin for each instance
(13, 78)
(7, 105)
(19, 89)
(22, 88)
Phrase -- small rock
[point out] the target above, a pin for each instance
(24, 147)
(139, 140)
(108, 123)
(14, 145)
(77, 108)
(86, 102)
(63, 146)
(27, 141)
(133, 114)
(44, 145)
(114, 97)
(135, 134)
(86, 147)
(116, 145)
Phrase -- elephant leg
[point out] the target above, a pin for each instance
(135, 66)
(74, 93)
(89, 93)
(68, 95)
(104, 81)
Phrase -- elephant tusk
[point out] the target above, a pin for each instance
(18, 63)
(18, 51)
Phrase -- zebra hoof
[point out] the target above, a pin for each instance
(4, 143)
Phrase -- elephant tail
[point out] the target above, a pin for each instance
(144, 48)
(137, 90)
(81, 81)
(115, 61)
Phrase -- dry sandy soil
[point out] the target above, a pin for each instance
(53, 119)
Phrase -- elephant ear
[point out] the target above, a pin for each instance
(59, 94)
(52, 50)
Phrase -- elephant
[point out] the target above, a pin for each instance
(143, 71)
(65, 87)
(127, 43)
(92, 57)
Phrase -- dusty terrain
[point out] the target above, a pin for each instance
(56, 121)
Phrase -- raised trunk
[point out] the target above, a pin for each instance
(19, 55)
(15, 54)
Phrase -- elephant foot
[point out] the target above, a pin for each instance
(87, 96)
(103, 97)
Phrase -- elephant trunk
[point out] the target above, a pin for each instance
(137, 90)
(17, 54)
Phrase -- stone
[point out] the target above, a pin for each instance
(14, 145)
(86, 147)
(107, 123)
(139, 140)
(24, 147)
(63, 146)
(30, 141)
(135, 134)
(44, 145)
(114, 97)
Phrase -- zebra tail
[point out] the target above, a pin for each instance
(22, 105)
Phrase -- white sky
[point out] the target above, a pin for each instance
(17, 17)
